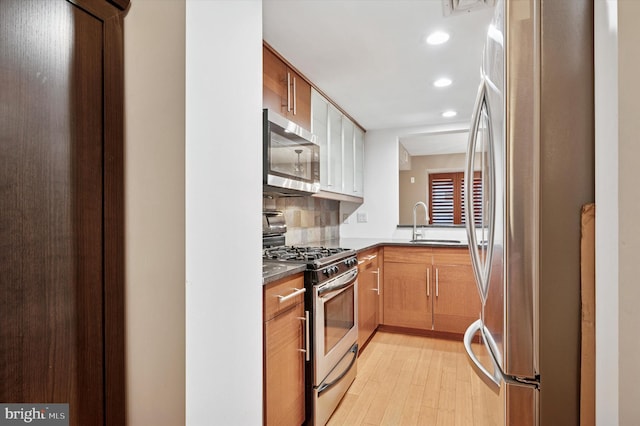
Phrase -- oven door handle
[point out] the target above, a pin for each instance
(339, 283)
(327, 385)
(336, 291)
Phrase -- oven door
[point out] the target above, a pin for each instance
(335, 322)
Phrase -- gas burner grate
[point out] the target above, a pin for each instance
(300, 253)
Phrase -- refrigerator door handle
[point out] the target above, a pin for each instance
(492, 380)
(481, 267)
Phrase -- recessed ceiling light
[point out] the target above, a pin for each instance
(449, 114)
(437, 37)
(442, 82)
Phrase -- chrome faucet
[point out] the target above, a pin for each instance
(426, 216)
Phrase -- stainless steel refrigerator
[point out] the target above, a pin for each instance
(532, 132)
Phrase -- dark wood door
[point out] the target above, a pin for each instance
(61, 284)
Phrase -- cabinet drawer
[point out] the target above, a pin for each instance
(367, 260)
(274, 292)
(407, 254)
(451, 256)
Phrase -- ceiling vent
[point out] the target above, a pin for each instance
(457, 7)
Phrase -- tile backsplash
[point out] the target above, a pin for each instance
(309, 220)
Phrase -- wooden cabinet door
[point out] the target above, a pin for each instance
(274, 83)
(368, 296)
(61, 198)
(284, 368)
(284, 91)
(407, 295)
(456, 303)
(301, 98)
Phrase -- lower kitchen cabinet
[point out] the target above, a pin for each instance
(430, 289)
(456, 303)
(407, 287)
(369, 290)
(284, 356)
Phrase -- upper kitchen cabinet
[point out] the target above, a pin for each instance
(284, 90)
(341, 151)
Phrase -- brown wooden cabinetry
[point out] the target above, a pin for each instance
(456, 303)
(369, 290)
(284, 356)
(285, 91)
(407, 287)
(430, 289)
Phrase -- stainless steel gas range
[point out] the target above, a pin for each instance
(331, 297)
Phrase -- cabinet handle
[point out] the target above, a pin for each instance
(305, 318)
(328, 147)
(428, 280)
(297, 292)
(295, 97)
(353, 146)
(377, 272)
(342, 173)
(371, 257)
(288, 91)
(437, 282)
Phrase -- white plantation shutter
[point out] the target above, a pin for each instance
(446, 198)
(477, 198)
(442, 198)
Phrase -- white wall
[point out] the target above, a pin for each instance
(607, 230)
(381, 184)
(223, 205)
(154, 215)
(617, 211)
(629, 210)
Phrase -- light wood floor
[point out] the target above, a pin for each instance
(413, 380)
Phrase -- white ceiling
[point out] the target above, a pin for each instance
(371, 58)
(435, 143)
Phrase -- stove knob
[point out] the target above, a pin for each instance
(326, 272)
(334, 269)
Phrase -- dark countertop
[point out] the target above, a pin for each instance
(361, 244)
(273, 270)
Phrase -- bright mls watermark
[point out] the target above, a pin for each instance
(34, 414)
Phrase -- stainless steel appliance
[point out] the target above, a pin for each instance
(273, 228)
(532, 130)
(331, 280)
(291, 157)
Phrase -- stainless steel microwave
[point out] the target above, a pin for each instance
(291, 157)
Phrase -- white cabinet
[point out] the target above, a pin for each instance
(341, 151)
(348, 158)
(334, 147)
(320, 128)
(358, 163)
